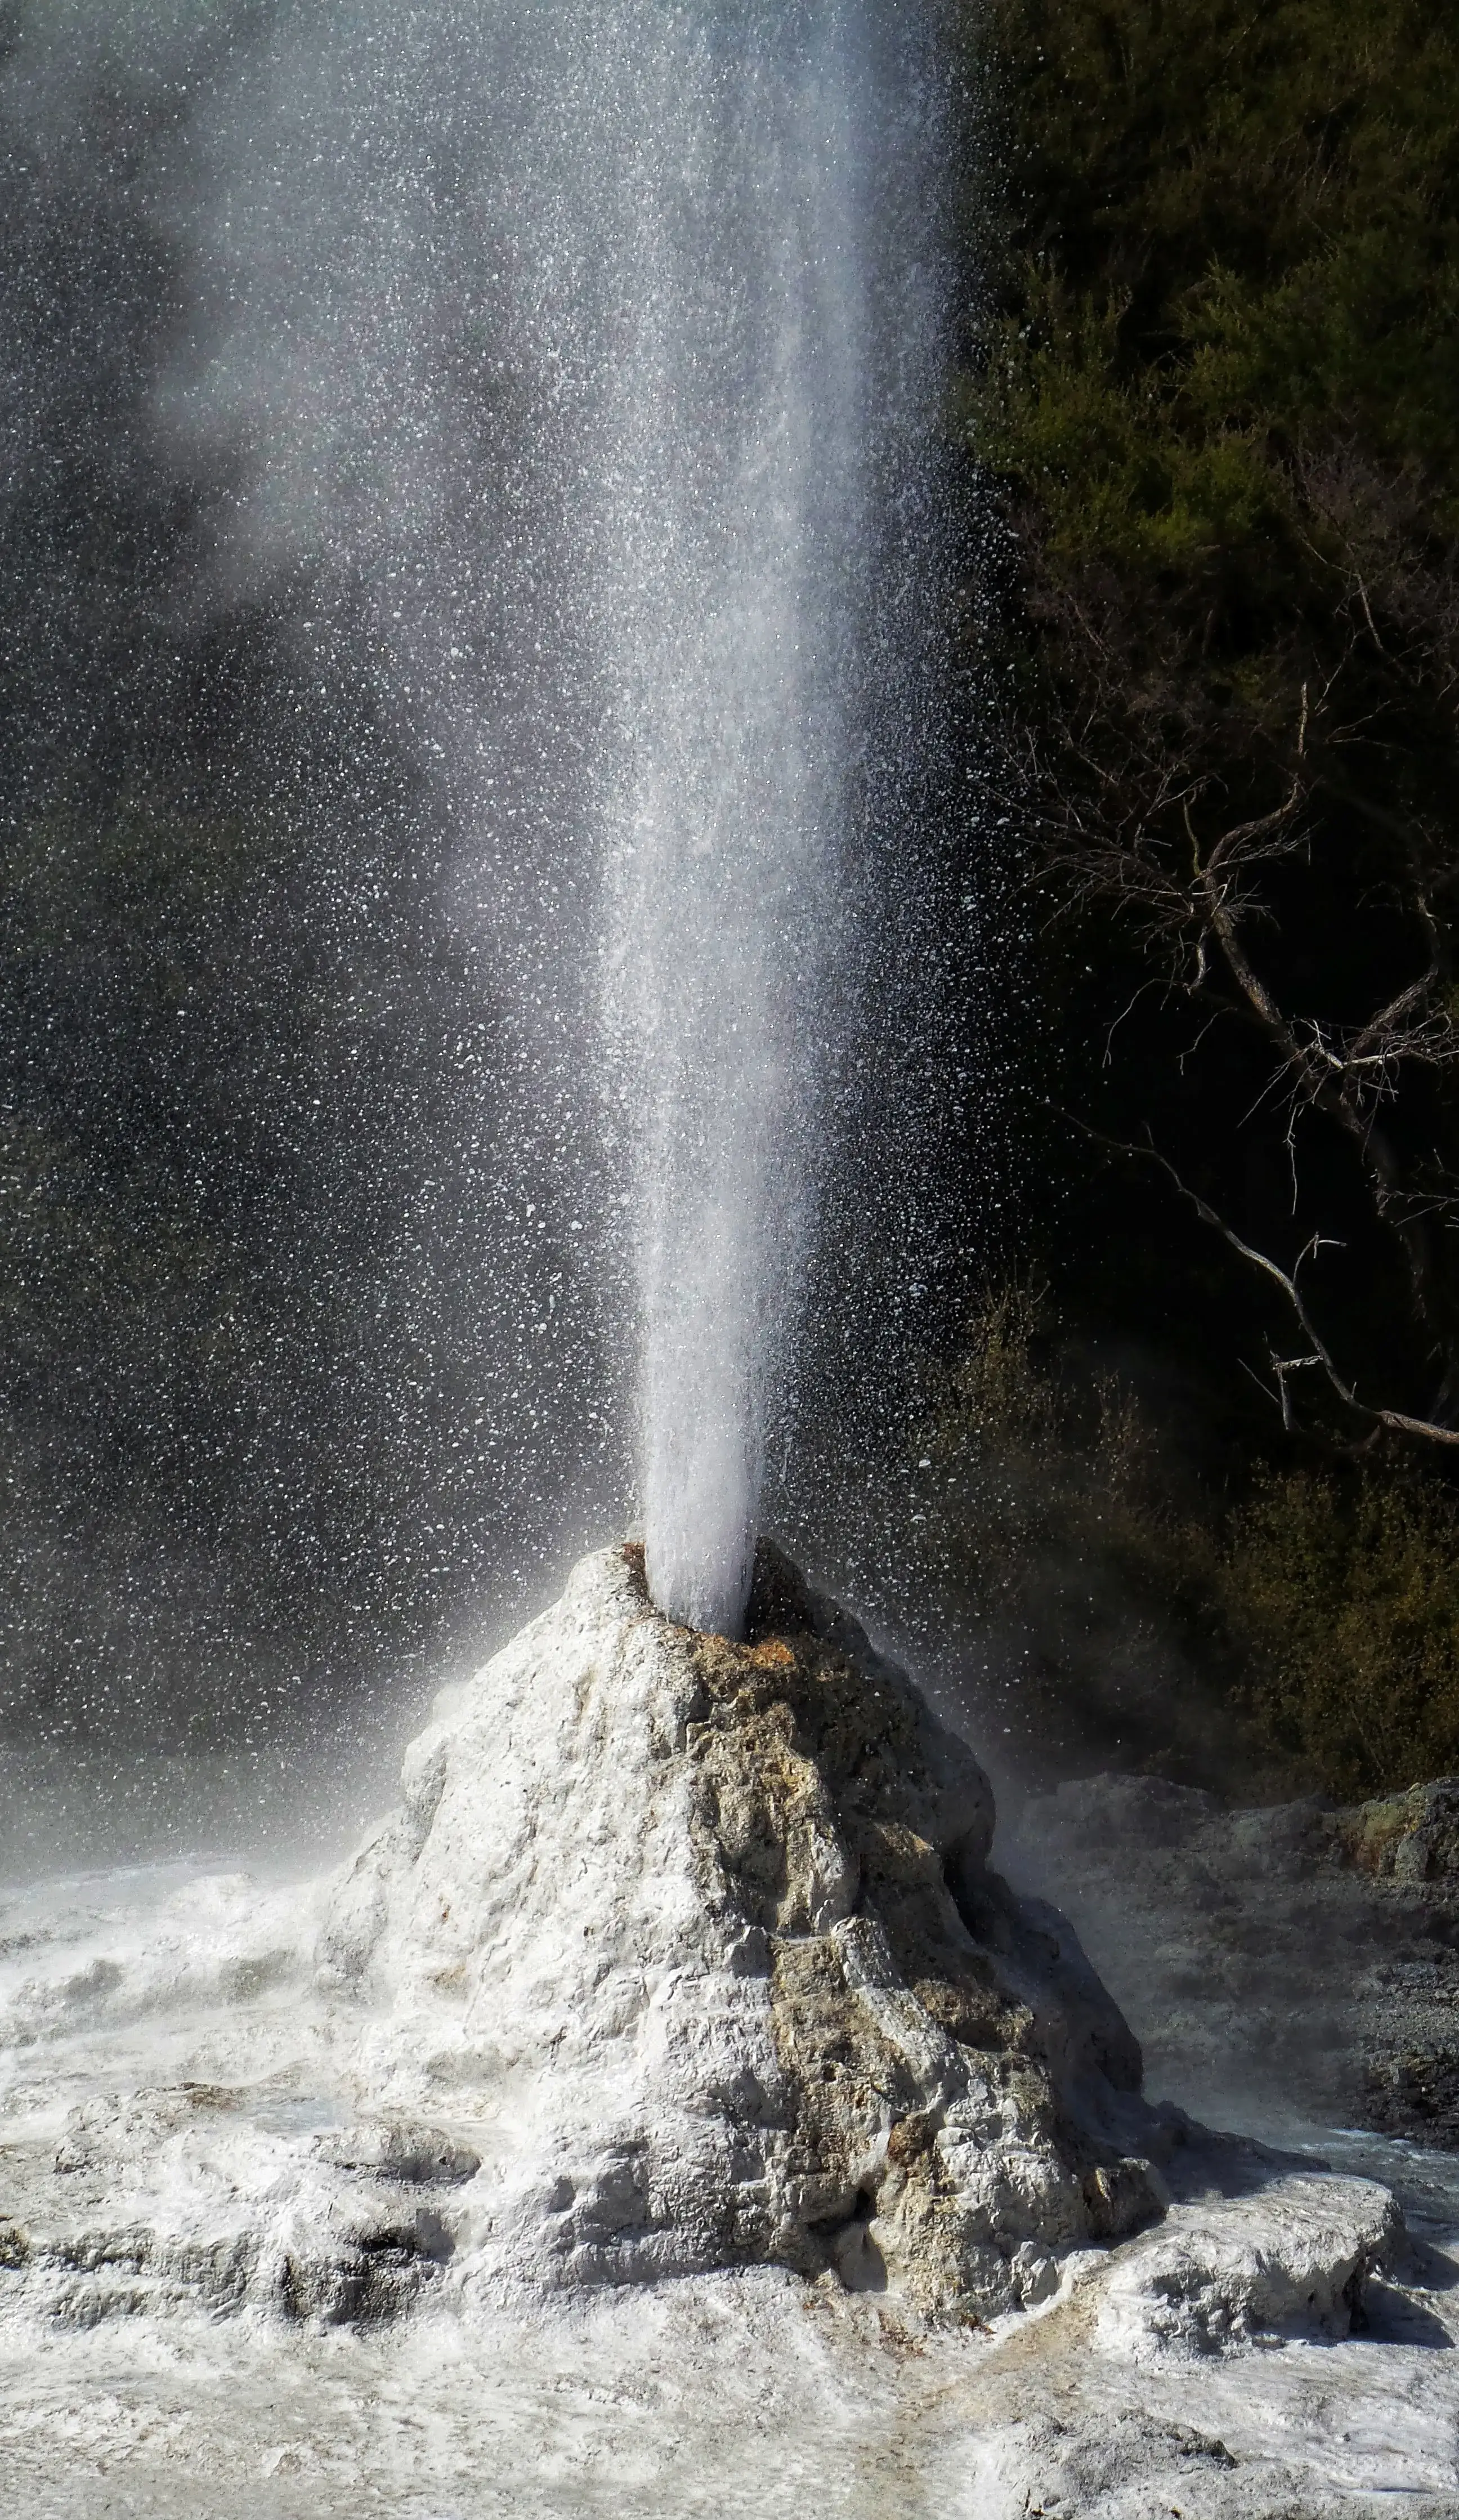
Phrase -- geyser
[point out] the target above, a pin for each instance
(760, 378)
(581, 362)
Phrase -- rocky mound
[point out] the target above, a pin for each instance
(719, 1919)
(676, 1955)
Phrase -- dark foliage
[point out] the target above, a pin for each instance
(1222, 395)
(1220, 388)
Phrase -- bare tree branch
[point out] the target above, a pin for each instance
(1320, 1356)
(1116, 843)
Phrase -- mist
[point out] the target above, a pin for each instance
(343, 546)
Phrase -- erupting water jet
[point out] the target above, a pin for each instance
(760, 375)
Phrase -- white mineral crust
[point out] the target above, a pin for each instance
(677, 1959)
(702, 1942)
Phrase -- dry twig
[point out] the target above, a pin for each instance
(1320, 1355)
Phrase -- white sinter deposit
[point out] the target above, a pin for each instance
(680, 1958)
(702, 1937)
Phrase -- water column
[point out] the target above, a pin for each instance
(576, 356)
(730, 595)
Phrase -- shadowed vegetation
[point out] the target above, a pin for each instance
(1217, 393)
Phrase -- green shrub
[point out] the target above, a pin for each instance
(1306, 1635)
(1044, 1459)
(1346, 1595)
